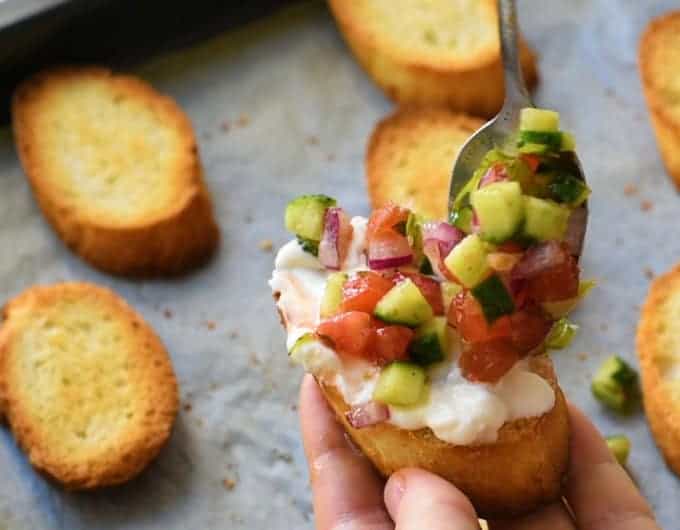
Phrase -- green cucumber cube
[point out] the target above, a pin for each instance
(544, 220)
(400, 383)
(298, 352)
(305, 216)
(531, 119)
(404, 304)
(619, 445)
(494, 298)
(568, 142)
(467, 261)
(616, 385)
(431, 342)
(500, 210)
(449, 291)
(332, 294)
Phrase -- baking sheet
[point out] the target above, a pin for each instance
(281, 108)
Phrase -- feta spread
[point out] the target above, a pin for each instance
(457, 411)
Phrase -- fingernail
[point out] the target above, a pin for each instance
(394, 491)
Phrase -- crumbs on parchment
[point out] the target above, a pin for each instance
(266, 245)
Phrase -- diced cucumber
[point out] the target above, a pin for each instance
(563, 307)
(449, 291)
(619, 445)
(561, 334)
(404, 304)
(533, 149)
(467, 261)
(431, 342)
(305, 216)
(616, 385)
(531, 119)
(462, 219)
(551, 139)
(500, 210)
(426, 266)
(332, 294)
(400, 383)
(568, 189)
(297, 352)
(494, 298)
(568, 142)
(312, 247)
(544, 220)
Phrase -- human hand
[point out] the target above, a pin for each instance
(350, 495)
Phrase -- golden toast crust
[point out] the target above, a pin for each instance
(172, 236)
(658, 351)
(86, 386)
(467, 82)
(523, 470)
(409, 157)
(657, 63)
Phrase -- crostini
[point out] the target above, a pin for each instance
(428, 337)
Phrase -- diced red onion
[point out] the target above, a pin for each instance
(433, 250)
(576, 231)
(368, 414)
(337, 232)
(446, 235)
(496, 173)
(388, 252)
(540, 258)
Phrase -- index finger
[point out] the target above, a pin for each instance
(348, 494)
(599, 491)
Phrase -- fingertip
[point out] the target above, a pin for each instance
(419, 499)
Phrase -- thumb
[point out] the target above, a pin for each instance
(417, 499)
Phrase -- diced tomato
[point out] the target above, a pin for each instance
(385, 219)
(510, 247)
(391, 344)
(533, 161)
(352, 333)
(363, 291)
(429, 287)
(488, 361)
(389, 249)
(465, 314)
(559, 282)
(530, 326)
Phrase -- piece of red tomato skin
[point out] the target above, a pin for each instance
(351, 334)
(429, 287)
(530, 326)
(391, 344)
(559, 282)
(487, 362)
(386, 218)
(533, 161)
(465, 314)
(362, 291)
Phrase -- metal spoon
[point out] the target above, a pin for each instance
(502, 129)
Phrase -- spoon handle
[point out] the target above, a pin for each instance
(516, 93)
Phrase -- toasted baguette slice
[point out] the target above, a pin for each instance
(515, 475)
(115, 169)
(85, 384)
(658, 346)
(410, 157)
(443, 52)
(659, 58)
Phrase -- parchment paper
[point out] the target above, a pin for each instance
(281, 108)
